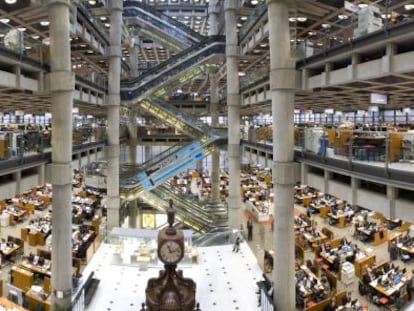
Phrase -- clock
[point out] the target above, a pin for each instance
(170, 290)
(171, 251)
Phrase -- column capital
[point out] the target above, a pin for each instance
(115, 5)
(53, 2)
(230, 5)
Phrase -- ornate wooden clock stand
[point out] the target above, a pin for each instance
(170, 291)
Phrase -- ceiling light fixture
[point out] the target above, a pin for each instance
(292, 19)
(362, 5)
(44, 23)
(103, 18)
(342, 16)
(21, 28)
(92, 2)
(326, 26)
(301, 19)
(409, 7)
(35, 37)
(254, 2)
(243, 18)
(10, 1)
(5, 20)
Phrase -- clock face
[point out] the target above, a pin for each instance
(170, 252)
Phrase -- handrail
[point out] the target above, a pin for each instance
(158, 159)
(93, 22)
(176, 59)
(257, 14)
(192, 34)
(157, 82)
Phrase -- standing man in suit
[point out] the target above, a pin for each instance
(249, 229)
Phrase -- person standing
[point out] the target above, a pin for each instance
(236, 246)
(249, 229)
(410, 283)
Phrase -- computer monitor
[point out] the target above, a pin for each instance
(397, 278)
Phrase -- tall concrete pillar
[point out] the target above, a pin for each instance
(113, 101)
(304, 170)
(133, 57)
(215, 155)
(132, 213)
(213, 14)
(17, 176)
(61, 81)
(327, 176)
(355, 183)
(148, 152)
(133, 136)
(282, 84)
(17, 70)
(233, 111)
(41, 174)
(392, 193)
(214, 11)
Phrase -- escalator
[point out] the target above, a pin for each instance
(187, 124)
(159, 27)
(189, 216)
(175, 71)
(155, 175)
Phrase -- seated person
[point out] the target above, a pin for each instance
(332, 305)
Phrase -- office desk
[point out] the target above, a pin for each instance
(339, 219)
(34, 298)
(311, 239)
(4, 302)
(305, 199)
(8, 252)
(390, 290)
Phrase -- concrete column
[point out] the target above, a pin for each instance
(132, 213)
(133, 57)
(17, 176)
(40, 81)
(304, 168)
(148, 153)
(355, 183)
(133, 136)
(355, 60)
(62, 83)
(113, 101)
(215, 155)
(41, 170)
(213, 14)
(326, 74)
(233, 111)
(327, 175)
(305, 79)
(18, 72)
(79, 156)
(214, 11)
(282, 83)
(386, 62)
(392, 193)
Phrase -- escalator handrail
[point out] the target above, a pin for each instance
(175, 71)
(191, 121)
(176, 59)
(153, 160)
(138, 185)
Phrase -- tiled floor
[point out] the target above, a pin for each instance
(225, 280)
